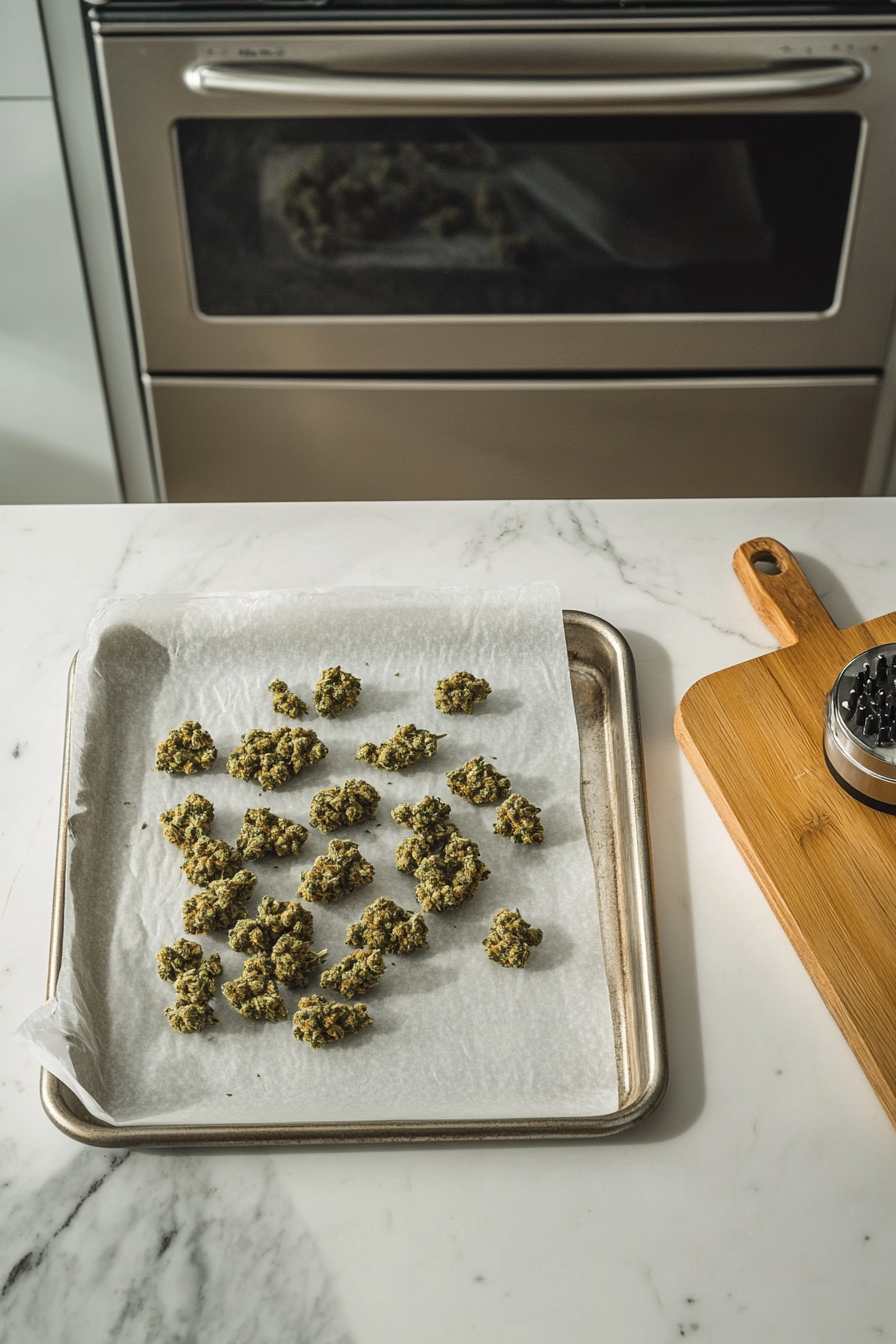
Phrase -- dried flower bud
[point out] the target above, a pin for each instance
(254, 993)
(385, 927)
(290, 706)
(355, 974)
(189, 821)
(262, 833)
(207, 859)
(460, 692)
(189, 1017)
(294, 960)
(405, 747)
(335, 691)
(448, 879)
(429, 822)
(318, 1021)
(336, 873)
(478, 782)
(221, 905)
(273, 758)
(518, 819)
(186, 750)
(346, 805)
(198, 984)
(179, 957)
(250, 937)
(511, 939)
(286, 917)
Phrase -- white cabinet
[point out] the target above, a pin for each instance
(55, 444)
(23, 63)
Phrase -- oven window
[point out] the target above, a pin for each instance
(347, 217)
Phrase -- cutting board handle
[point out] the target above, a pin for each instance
(780, 591)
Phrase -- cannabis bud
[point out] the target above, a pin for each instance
(273, 758)
(294, 961)
(189, 821)
(318, 1021)
(290, 706)
(429, 822)
(254, 993)
(335, 691)
(355, 974)
(221, 905)
(385, 927)
(286, 917)
(263, 833)
(405, 747)
(207, 859)
(511, 939)
(186, 750)
(478, 782)
(351, 802)
(336, 873)
(189, 1017)
(518, 819)
(194, 987)
(181, 956)
(448, 879)
(460, 692)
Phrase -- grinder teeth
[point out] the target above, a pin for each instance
(870, 705)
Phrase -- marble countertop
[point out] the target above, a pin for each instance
(755, 1204)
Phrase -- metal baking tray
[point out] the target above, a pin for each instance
(602, 673)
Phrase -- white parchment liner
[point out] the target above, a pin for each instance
(455, 1036)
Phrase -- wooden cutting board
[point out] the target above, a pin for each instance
(826, 863)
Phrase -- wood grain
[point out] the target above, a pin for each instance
(826, 863)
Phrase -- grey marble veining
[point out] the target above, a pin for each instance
(755, 1205)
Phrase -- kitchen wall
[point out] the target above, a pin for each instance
(55, 444)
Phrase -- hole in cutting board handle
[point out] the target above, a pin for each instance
(765, 562)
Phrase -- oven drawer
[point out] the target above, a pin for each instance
(339, 439)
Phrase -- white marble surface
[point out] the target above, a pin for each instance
(756, 1204)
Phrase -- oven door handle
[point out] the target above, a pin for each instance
(315, 86)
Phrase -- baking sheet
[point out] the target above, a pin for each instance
(455, 1036)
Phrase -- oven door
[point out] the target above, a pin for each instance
(384, 203)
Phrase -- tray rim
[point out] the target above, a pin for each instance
(59, 1102)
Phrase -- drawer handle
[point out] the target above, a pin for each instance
(290, 81)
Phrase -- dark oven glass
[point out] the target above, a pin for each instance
(408, 216)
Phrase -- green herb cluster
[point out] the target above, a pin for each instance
(284, 702)
(385, 927)
(194, 985)
(336, 873)
(335, 691)
(262, 833)
(429, 822)
(448, 879)
(254, 993)
(478, 782)
(458, 693)
(188, 822)
(318, 1021)
(186, 750)
(273, 758)
(405, 747)
(221, 905)
(355, 974)
(511, 939)
(285, 937)
(518, 819)
(343, 805)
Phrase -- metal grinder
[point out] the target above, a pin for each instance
(860, 728)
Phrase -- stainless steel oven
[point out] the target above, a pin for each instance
(378, 259)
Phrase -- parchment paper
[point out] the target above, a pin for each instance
(455, 1036)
